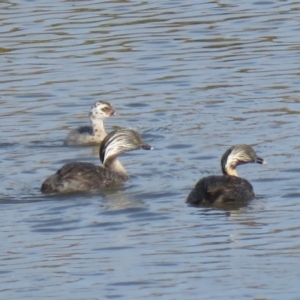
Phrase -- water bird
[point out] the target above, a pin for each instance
(227, 188)
(91, 135)
(87, 177)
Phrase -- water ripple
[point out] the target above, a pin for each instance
(193, 79)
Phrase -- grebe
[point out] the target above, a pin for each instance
(229, 188)
(91, 135)
(87, 177)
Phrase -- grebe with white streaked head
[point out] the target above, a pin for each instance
(91, 135)
(87, 177)
(229, 188)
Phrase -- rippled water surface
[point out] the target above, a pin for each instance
(193, 77)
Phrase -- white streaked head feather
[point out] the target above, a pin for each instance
(239, 154)
(119, 141)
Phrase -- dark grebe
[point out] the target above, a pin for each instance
(91, 135)
(219, 190)
(86, 177)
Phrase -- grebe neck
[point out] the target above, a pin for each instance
(115, 165)
(231, 171)
(98, 128)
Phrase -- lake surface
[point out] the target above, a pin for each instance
(194, 78)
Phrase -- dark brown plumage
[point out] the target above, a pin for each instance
(81, 176)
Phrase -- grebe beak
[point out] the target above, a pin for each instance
(146, 147)
(260, 160)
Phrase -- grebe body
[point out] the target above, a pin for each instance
(94, 134)
(87, 177)
(227, 188)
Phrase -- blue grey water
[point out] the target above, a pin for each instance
(194, 78)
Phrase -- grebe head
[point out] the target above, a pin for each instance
(237, 155)
(101, 110)
(119, 141)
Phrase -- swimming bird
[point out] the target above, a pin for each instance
(219, 190)
(87, 177)
(91, 135)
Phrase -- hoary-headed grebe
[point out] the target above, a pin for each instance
(229, 188)
(87, 177)
(91, 135)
